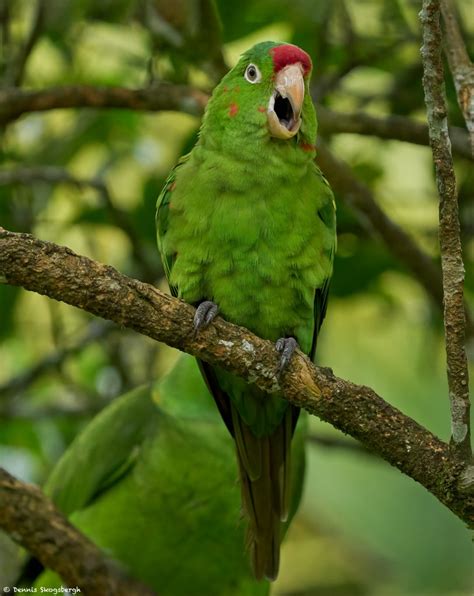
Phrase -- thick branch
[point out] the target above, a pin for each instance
(30, 518)
(99, 289)
(460, 65)
(449, 228)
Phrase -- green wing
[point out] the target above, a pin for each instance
(327, 214)
(162, 221)
(90, 466)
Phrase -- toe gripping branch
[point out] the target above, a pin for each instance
(206, 312)
(286, 346)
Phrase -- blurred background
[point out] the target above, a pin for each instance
(89, 179)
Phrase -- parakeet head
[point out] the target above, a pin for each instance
(264, 97)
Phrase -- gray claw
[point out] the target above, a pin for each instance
(206, 312)
(286, 346)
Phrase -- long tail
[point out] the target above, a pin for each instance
(264, 465)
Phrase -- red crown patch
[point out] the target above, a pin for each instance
(289, 54)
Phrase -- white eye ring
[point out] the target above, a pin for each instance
(253, 74)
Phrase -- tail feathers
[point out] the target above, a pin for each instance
(280, 460)
(264, 466)
(249, 447)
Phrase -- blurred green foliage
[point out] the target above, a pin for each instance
(364, 528)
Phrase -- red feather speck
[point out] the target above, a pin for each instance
(233, 109)
(308, 147)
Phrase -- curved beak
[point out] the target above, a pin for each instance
(286, 102)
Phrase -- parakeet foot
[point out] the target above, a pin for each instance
(206, 312)
(286, 346)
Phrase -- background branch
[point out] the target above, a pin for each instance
(449, 229)
(161, 96)
(393, 127)
(398, 241)
(338, 443)
(59, 273)
(32, 520)
(16, 67)
(461, 66)
(19, 383)
(57, 175)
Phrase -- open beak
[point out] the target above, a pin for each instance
(286, 102)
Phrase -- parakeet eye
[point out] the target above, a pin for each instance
(252, 74)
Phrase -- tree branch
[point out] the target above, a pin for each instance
(57, 175)
(336, 443)
(32, 520)
(162, 96)
(449, 228)
(325, 84)
(16, 68)
(52, 361)
(460, 65)
(59, 273)
(360, 199)
(393, 127)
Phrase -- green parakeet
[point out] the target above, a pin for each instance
(246, 227)
(151, 480)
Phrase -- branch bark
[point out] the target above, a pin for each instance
(449, 229)
(30, 518)
(59, 273)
